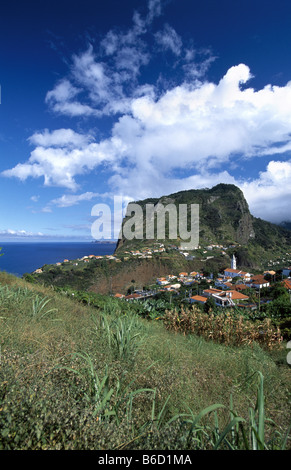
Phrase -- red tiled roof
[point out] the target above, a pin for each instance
(259, 279)
(235, 295)
(213, 291)
(286, 283)
(240, 287)
(199, 298)
(237, 271)
(133, 296)
(228, 284)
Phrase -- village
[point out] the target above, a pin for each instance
(228, 289)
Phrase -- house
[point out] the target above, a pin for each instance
(226, 298)
(229, 298)
(259, 281)
(119, 296)
(38, 271)
(237, 296)
(239, 287)
(227, 285)
(219, 282)
(194, 274)
(211, 291)
(172, 287)
(230, 272)
(287, 284)
(187, 281)
(162, 281)
(175, 286)
(272, 273)
(286, 272)
(133, 296)
(183, 274)
(198, 299)
(223, 283)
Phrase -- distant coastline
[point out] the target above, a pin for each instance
(104, 242)
(25, 257)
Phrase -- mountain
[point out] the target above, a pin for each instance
(286, 224)
(226, 227)
(224, 219)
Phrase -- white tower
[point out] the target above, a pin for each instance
(233, 262)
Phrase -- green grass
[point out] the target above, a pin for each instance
(77, 377)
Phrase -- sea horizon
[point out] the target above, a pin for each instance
(20, 257)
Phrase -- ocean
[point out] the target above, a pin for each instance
(19, 258)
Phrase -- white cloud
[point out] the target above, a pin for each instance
(269, 196)
(9, 233)
(168, 39)
(193, 128)
(59, 165)
(62, 92)
(155, 9)
(59, 138)
(68, 200)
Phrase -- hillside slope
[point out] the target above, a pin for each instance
(56, 354)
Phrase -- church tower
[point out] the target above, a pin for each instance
(233, 262)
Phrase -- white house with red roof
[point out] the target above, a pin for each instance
(234, 272)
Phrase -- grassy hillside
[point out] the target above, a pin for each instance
(78, 377)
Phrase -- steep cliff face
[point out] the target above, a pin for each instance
(224, 215)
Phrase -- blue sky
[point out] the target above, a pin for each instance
(140, 98)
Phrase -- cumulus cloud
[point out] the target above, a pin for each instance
(62, 100)
(192, 127)
(59, 138)
(163, 138)
(63, 155)
(269, 196)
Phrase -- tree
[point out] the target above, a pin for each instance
(209, 304)
(278, 291)
(280, 307)
(236, 280)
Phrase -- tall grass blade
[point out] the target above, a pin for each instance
(227, 429)
(261, 412)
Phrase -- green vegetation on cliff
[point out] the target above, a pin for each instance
(224, 219)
